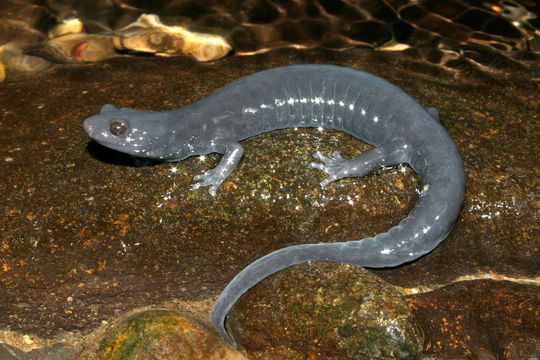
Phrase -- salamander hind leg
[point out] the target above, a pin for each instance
(337, 167)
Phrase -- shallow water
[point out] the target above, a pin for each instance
(467, 36)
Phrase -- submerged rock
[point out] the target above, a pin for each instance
(147, 34)
(325, 311)
(163, 335)
(81, 47)
(14, 62)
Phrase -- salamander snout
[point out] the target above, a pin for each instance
(89, 127)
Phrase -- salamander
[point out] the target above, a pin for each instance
(332, 97)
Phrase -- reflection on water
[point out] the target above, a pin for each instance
(456, 33)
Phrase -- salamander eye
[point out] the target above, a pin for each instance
(118, 128)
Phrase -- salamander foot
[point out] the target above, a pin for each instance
(336, 166)
(212, 178)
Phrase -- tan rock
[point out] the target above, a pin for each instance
(148, 34)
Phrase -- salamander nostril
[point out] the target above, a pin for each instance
(89, 128)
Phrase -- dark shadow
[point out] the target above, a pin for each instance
(114, 157)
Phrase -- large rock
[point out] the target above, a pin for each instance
(162, 335)
(325, 311)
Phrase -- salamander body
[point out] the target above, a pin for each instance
(358, 103)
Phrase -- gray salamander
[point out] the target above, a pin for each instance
(332, 97)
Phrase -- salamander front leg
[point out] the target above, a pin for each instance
(337, 167)
(232, 153)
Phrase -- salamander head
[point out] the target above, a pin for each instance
(134, 132)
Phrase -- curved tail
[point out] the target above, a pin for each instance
(262, 268)
(419, 233)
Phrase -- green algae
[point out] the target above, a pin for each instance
(162, 335)
(133, 339)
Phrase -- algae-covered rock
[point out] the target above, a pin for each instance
(166, 335)
(325, 311)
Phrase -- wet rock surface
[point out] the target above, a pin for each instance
(486, 319)
(325, 311)
(88, 235)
